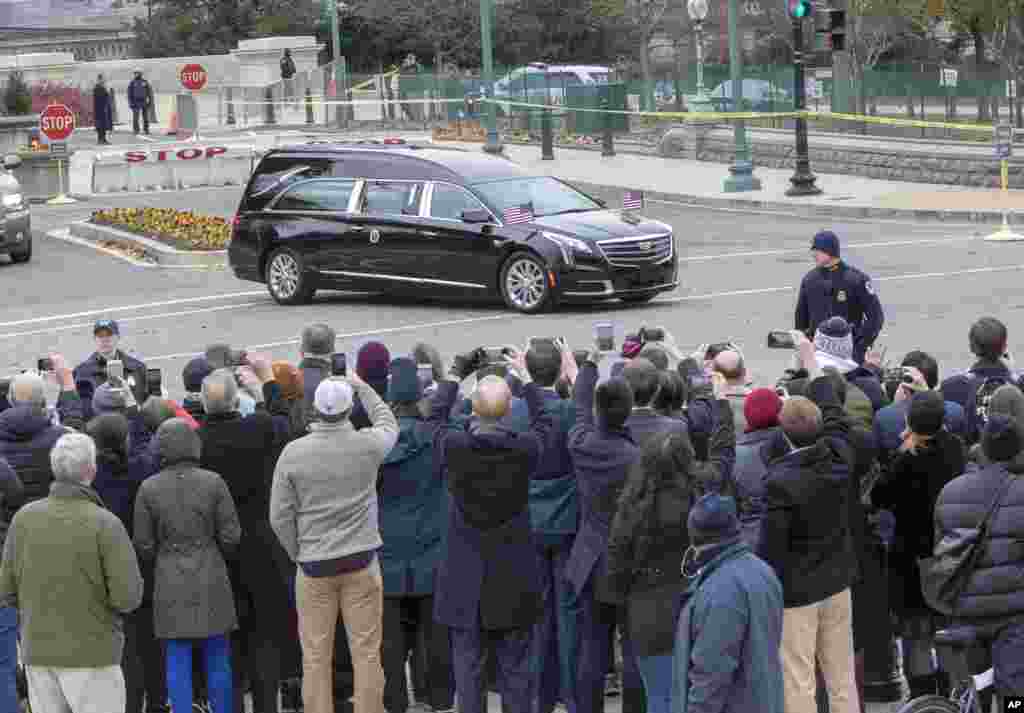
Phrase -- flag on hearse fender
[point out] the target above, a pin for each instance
(633, 200)
(517, 214)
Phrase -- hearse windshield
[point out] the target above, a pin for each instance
(544, 196)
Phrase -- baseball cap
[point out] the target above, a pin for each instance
(333, 397)
(109, 325)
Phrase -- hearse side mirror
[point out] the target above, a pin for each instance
(11, 161)
(476, 216)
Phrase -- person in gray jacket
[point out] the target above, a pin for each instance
(185, 520)
(324, 510)
(730, 628)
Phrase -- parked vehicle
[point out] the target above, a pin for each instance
(398, 219)
(758, 95)
(16, 233)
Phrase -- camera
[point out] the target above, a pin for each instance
(543, 341)
(238, 357)
(651, 334)
(339, 365)
(604, 336)
(493, 355)
(898, 375)
(154, 382)
(781, 339)
(44, 365)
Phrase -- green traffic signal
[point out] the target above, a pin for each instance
(799, 9)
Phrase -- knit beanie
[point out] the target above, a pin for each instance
(761, 409)
(404, 386)
(176, 442)
(317, 340)
(372, 365)
(713, 518)
(106, 399)
(194, 373)
(926, 414)
(1000, 442)
(827, 242)
(835, 339)
(289, 380)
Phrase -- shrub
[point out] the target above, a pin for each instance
(183, 230)
(17, 99)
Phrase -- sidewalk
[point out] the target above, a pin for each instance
(700, 183)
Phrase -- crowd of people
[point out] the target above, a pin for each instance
(405, 534)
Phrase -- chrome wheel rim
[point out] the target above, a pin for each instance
(284, 276)
(524, 284)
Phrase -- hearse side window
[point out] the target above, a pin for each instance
(324, 195)
(276, 173)
(448, 202)
(392, 198)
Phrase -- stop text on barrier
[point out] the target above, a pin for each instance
(186, 154)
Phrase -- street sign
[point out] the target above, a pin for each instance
(824, 73)
(813, 88)
(948, 77)
(193, 77)
(57, 122)
(58, 148)
(1003, 141)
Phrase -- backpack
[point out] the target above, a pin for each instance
(979, 401)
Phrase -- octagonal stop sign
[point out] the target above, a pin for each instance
(57, 122)
(193, 77)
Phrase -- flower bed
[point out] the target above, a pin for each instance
(182, 230)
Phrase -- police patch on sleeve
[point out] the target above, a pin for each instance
(869, 288)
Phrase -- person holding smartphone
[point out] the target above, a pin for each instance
(94, 371)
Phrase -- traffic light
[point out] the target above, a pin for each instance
(799, 9)
(837, 30)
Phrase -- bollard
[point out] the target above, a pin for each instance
(231, 108)
(547, 149)
(608, 140)
(269, 99)
(310, 119)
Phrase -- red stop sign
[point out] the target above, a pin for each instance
(193, 77)
(57, 122)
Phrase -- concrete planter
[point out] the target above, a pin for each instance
(156, 251)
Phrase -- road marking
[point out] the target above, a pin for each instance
(131, 308)
(853, 246)
(127, 320)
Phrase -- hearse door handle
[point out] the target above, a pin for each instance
(357, 228)
(430, 234)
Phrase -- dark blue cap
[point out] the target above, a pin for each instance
(713, 518)
(827, 242)
(106, 324)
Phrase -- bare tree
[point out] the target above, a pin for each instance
(644, 17)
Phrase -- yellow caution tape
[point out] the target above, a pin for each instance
(912, 123)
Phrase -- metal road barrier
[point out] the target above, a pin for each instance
(172, 167)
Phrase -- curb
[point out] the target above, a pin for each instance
(159, 253)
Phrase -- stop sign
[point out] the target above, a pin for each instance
(57, 122)
(193, 77)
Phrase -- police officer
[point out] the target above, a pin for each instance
(834, 289)
(92, 373)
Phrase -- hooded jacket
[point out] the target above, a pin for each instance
(748, 475)
(806, 533)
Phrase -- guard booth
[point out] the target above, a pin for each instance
(610, 96)
(188, 113)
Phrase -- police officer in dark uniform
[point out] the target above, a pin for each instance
(834, 289)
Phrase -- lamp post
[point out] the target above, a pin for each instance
(493, 144)
(741, 171)
(698, 12)
(803, 180)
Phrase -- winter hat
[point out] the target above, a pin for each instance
(289, 380)
(1000, 441)
(106, 399)
(333, 397)
(827, 242)
(194, 373)
(405, 384)
(713, 518)
(926, 414)
(372, 365)
(834, 338)
(176, 442)
(761, 408)
(317, 340)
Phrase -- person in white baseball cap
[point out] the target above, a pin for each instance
(323, 508)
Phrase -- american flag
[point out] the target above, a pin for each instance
(517, 214)
(633, 200)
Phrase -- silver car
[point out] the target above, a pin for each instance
(16, 228)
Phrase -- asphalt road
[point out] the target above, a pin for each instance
(739, 273)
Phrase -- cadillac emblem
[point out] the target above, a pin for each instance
(374, 236)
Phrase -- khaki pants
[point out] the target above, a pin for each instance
(359, 598)
(821, 631)
(76, 690)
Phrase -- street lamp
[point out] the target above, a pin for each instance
(741, 171)
(803, 180)
(493, 144)
(698, 12)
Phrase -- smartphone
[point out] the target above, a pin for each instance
(154, 382)
(781, 340)
(238, 357)
(339, 365)
(115, 369)
(495, 355)
(44, 365)
(541, 341)
(604, 336)
(652, 334)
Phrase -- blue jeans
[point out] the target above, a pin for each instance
(8, 660)
(217, 656)
(510, 648)
(656, 671)
(554, 642)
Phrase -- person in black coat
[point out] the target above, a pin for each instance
(243, 450)
(103, 110)
(929, 458)
(649, 538)
(488, 582)
(92, 373)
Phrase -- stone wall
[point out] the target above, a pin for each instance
(950, 163)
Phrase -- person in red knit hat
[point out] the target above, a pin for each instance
(761, 410)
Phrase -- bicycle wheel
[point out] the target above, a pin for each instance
(929, 704)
